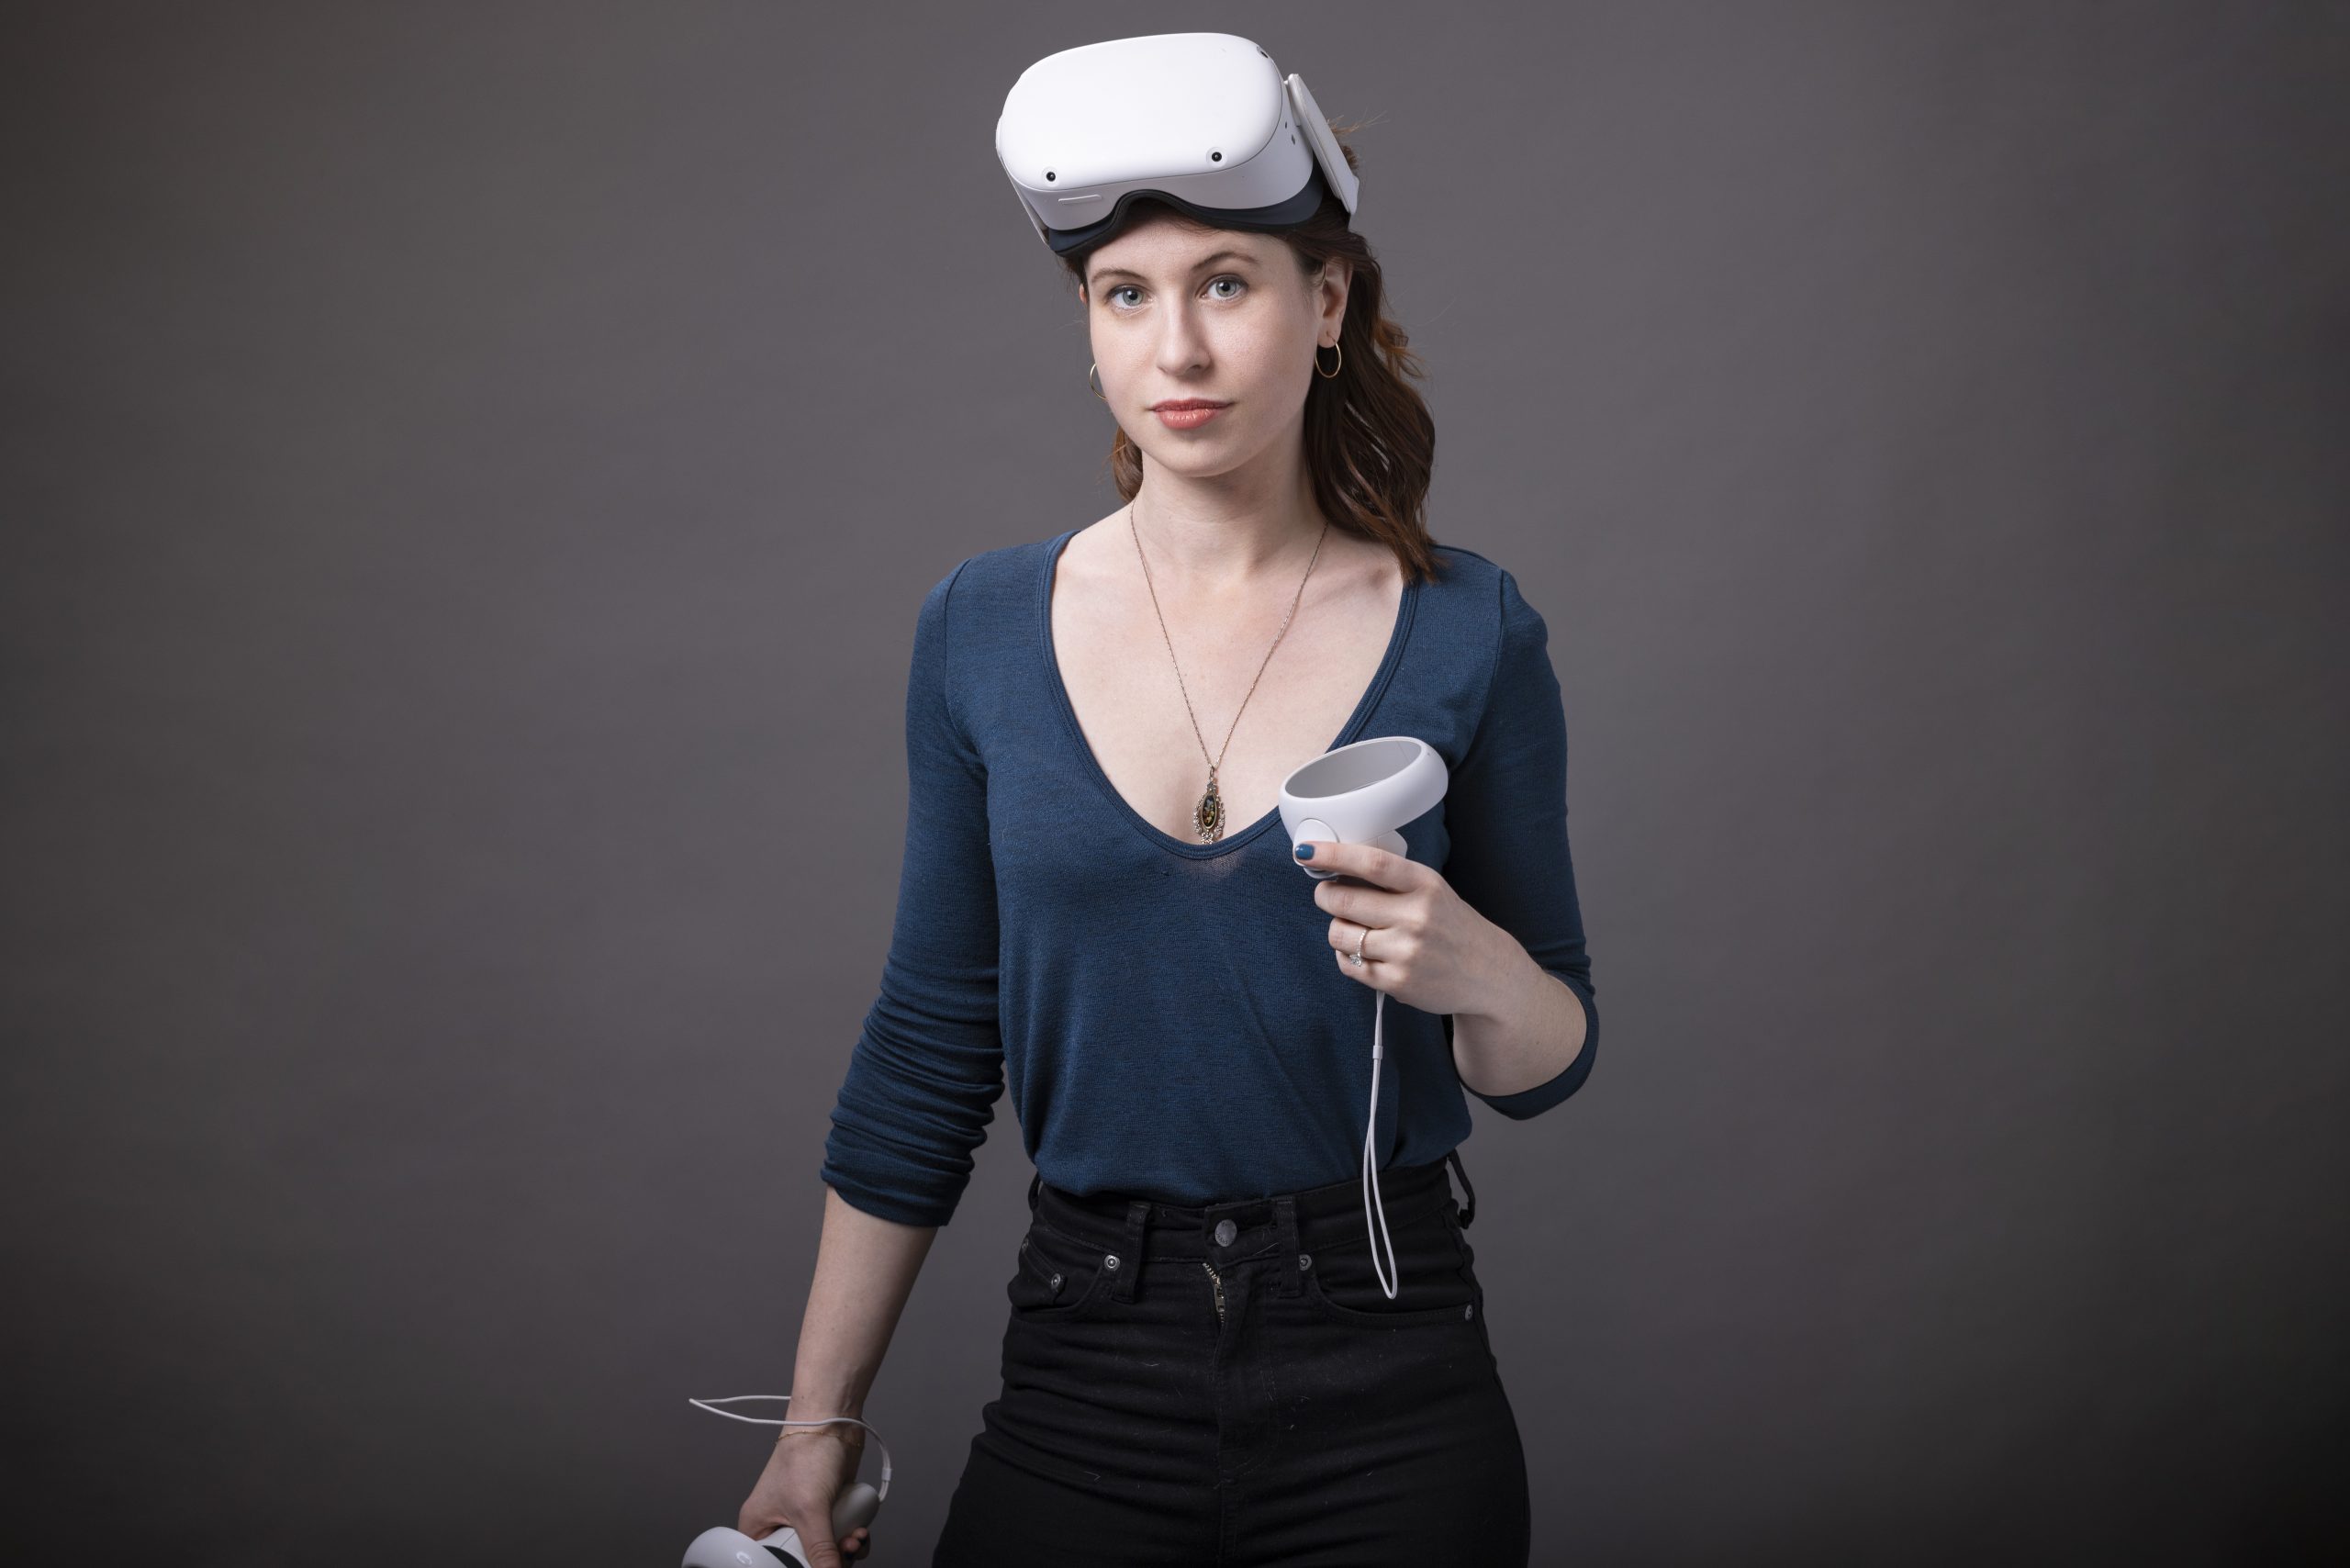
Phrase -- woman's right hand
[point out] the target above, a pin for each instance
(809, 1470)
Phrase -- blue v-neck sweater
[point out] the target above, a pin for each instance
(1168, 1014)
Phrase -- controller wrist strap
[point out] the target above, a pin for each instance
(711, 1405)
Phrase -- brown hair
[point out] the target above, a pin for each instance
(1369, 440)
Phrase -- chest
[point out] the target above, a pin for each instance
(1153, 735)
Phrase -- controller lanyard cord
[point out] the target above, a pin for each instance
(1371, 1197)
(711, 1405)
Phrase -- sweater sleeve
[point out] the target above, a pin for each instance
(928, 1065)
(1505, 809)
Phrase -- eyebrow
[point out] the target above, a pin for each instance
(1206, 262)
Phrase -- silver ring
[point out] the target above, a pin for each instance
(1355, 957)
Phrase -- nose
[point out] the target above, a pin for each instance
(1182, 347)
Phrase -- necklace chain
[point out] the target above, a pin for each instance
(1207, 817)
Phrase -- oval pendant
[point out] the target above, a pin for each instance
(1207, 817)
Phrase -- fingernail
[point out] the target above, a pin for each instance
(1305, 852)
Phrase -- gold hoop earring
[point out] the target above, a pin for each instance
(1090, 381)
(1330, 374)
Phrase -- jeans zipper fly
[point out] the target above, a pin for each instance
(1219, 1289)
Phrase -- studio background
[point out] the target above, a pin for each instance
(469, 474)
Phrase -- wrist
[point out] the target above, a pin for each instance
(1508, 971)
(829, 1425)
(827, 1390)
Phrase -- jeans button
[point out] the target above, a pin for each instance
(1225, 1231)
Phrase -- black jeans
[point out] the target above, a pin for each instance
(1228, 1384)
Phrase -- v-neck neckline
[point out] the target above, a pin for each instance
(1192, 850)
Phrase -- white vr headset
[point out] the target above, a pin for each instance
(1202, 121)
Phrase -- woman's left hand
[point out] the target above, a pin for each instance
(1421, 943)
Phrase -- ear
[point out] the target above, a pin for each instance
(1338, 273)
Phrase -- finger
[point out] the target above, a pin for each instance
(1380, 868)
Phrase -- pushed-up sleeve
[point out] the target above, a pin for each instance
(1505, 810)
(928, 1065)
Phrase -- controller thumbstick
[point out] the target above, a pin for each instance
(1322, 832)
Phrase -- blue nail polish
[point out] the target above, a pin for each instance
(1305, 852)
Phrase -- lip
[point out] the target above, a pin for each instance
(1177, 405)
(1188, 416)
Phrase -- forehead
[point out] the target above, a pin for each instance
(1163, 247)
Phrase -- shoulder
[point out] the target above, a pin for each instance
(988, 586)
(1481, 596)
(1464, 575)
(1461, 554)
(1470, 573)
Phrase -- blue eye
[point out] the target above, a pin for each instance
(1111, 297)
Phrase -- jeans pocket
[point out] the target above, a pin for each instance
(1058, 1278)
(1434, 1283)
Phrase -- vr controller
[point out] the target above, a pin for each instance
(719, 1547)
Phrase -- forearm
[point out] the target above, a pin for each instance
(866, 1268)
(1530, 1032)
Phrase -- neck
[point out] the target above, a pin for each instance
(1225, 534)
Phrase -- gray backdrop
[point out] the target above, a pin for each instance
(470, 471)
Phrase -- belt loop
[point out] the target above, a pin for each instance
(1469, 1212)
(1034, 1181)
(1129, 1262)
(1287, 1278)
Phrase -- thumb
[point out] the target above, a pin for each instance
(816, 1543)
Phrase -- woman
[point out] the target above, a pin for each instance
(1098, 903)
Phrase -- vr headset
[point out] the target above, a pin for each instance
(1202, 121)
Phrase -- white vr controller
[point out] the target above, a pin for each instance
(1361, 794)
(719, 1547)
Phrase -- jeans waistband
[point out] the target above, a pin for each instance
(1317, 1217)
